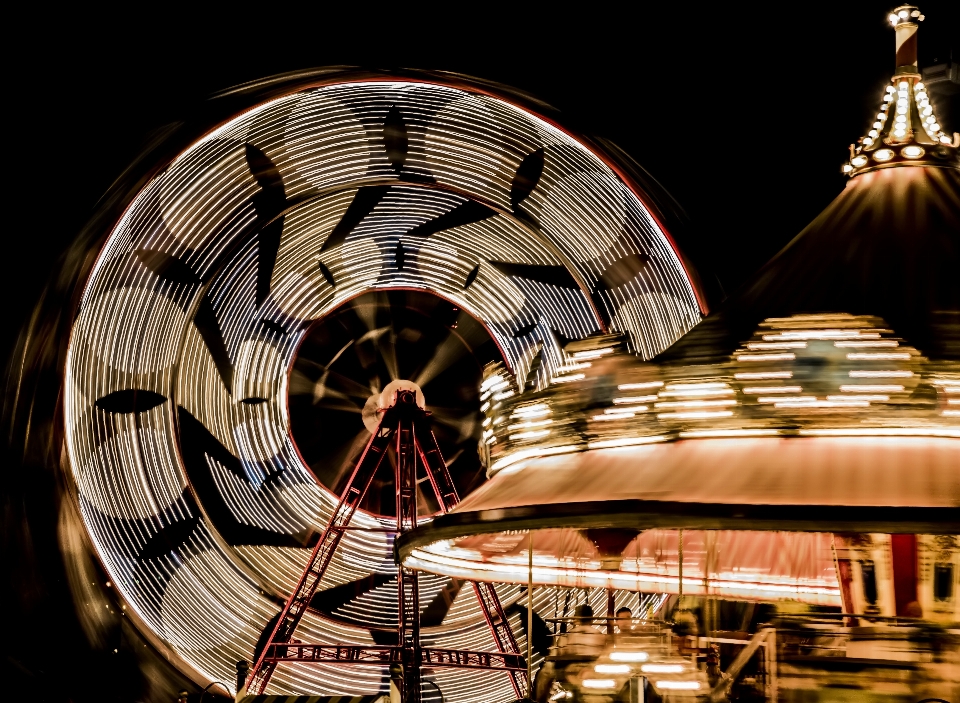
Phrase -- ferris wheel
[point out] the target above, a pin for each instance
(334, 234)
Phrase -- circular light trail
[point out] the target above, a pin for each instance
(177, 376)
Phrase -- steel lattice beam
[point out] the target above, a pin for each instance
(379, 656)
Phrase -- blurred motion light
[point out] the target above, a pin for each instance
(599, 683)
(624, 656)
(612, 668)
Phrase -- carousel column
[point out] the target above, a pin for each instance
(903, 552)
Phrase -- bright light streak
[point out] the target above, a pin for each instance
(869, 344)
(531, 423)
(678, 685)
(871, 388)
(537, 410)
(625, 442)
(613, 416)
(878, 356)
(868, 398)
(891, 373)
(683, 392)
(776, 345)
(624, 656)
(757, 390)
(814, 403)
(762, 375)
(653, 668)
(695, 415)
(531, 453)
(766, 357)
(822, 335)
(698, 434)
(612, 668)
(635, 399)
(696, 403)
(884, 432)
(639, 386)
(530, 435)
(599, 683)
(568, 379)
(592, 353)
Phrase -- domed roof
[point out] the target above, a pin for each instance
(888, 245)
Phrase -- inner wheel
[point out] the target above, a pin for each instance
(351, 355)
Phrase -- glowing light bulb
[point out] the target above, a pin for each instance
(901, 118)
(877, 125)
(847, 168)
(903, 85)
(893, 19)
(912, 152)
(867, 141)
(921, 96)
(931, 118)
(888, 97)
(945, 139)
(901, 101)
(873, 133)
(903, 14)
(883, 155)
(934, 127)
(918, 87)
(890, 89)
(859, 161)
(928, 110)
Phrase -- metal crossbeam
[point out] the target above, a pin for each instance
(341, 653)
(381, 656)
(502, 634)
(466, 659)
(436, 469)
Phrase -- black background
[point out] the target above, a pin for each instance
(742, 112)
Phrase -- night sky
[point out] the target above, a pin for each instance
(743, 116)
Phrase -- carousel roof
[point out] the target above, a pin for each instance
(888, 245)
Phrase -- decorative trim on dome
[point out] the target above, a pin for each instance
(905, 132)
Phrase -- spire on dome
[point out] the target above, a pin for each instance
(906, 131)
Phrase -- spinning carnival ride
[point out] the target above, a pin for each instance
(332, 234)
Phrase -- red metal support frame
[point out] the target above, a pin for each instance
(487, 596)
(502, 634)
(433, 657)
(406, 424)
(408, 584)
(296, 605)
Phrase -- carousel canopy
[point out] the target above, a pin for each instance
(888, 245)
(823, 397)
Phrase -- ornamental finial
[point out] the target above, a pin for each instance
(906, 131)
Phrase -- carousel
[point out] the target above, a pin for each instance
(796, 453)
